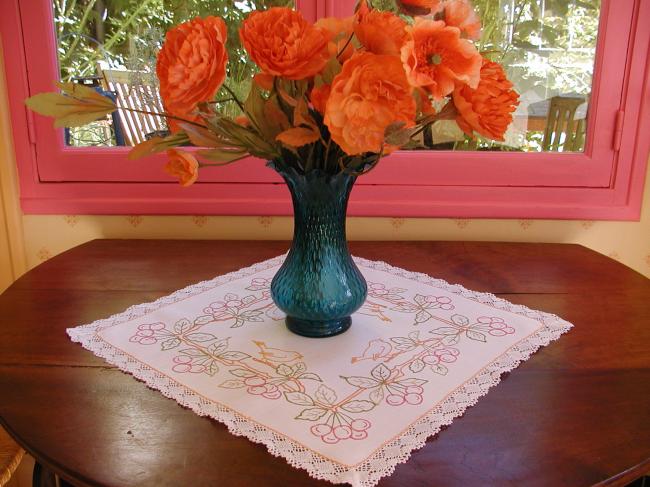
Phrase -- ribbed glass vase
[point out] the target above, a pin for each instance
(318, 286)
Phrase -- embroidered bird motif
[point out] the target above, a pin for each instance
(277, 355)
(376, 349)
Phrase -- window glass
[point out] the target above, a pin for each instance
(548, 49)
(112, 46)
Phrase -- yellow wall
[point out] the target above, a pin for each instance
(39, 237)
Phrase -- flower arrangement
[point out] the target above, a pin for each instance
(336, 95)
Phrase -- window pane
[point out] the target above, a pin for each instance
(112, 46)
(547, 48)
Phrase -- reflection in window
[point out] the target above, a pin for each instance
(112, 46)
(547, 48)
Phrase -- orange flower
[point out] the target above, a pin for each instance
(380, 32)
(488, 108)
(419, 7)
(191, 65)
(182, 165)
(283, 43)
(435, 58)
(461, 14)
(319, 96)
(339, 32)
(369, 94)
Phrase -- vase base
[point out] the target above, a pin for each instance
(318, 328)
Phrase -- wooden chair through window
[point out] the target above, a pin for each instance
(10, 456)
(563, 131)
(134, 93)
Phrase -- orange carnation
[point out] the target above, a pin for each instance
(419, 7)
(283, 43)
(488, 108)
(191, 65)
(380, 32)
(461, 14)
(435, 58)
(339, 32)
(182, 165)
(369, 94)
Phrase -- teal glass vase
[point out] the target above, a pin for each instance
(318, 286)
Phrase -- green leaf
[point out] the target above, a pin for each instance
(78, 105)
(284, 369)
(325, 394)
(232, 384)
(245, 373)
(158, 144)
(299, 398)
(312, 414)
(170, 343)
(358, 406)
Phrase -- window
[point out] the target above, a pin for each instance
(584, 60)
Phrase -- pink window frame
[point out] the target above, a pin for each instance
(605, 182)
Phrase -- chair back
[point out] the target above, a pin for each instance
(562, 130)
(133, 93)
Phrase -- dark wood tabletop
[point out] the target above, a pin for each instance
(576, 414)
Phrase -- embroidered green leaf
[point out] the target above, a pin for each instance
(310, 376)
(358, 406)
(299, 368)
(380, 372)
(422, 316)
(218, 346)
(403, 344)
(245, 373)
(450, 340)
(183, 325)
(377, 395)
(232, 384)
(203, 320)
(212, 368)
(325, 394)
(440, 369)
(284, 369)
(234, 356)
(312, 414)
(416, 366)
(200, 337)
(361, 382)
(476, 335)
(192, 352)
(460, 320)
(170, 343)
(412, 381)
(299, 398)
(445, 330)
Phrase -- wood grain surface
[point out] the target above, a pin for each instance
(576, 414)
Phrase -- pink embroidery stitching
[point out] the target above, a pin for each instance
(275, 373)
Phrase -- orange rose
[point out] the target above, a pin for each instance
(380, 32)
(339, 32)
(488, 108)
(369, 94)
(318, 97)
(182, 165)
(283, 43)
(419, 7)
(191, 65)
(435, 58)
(461, 14)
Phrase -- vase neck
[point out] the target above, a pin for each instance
(319, 204)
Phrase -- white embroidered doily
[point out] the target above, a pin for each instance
(347, 408)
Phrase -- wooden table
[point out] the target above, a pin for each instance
(577, 413)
